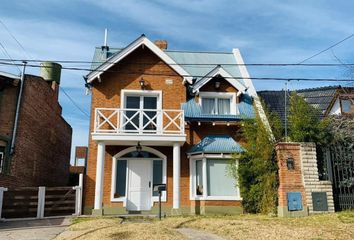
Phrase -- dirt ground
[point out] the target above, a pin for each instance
(328, 226)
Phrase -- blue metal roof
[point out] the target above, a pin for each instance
(216, 144)
(212, 59)
(193, 111)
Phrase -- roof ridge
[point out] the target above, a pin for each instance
(195, 51)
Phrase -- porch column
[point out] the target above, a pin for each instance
(101, 149)
(176, 175)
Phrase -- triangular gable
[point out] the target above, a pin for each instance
(142, 40)
(215, 72)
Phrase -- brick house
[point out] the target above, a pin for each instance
(38, 152)
(165, 117)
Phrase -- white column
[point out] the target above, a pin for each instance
(2, 190)
(41, 202)
(101, 149)
(176, 175)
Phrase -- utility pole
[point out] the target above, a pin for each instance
(285, 112)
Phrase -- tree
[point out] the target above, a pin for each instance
(256, 171)
(305, 124)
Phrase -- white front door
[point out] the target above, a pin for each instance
(139, 187)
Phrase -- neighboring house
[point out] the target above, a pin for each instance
(37, 153)
(165, 117)
(331, 100)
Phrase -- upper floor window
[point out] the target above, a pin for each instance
(218, 103)
(346, 105)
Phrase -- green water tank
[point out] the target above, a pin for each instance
(51, 71)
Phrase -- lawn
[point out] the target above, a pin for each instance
(327, 226)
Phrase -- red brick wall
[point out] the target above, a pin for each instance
(289, 180)
(43, 141)
(8, 99)
(107, 94)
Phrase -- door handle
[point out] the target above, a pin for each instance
(149, 184)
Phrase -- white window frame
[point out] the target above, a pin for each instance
(146, 93)
(218, 95)
(193, 178)
(143, 93)
(118, 156)
(2, 161)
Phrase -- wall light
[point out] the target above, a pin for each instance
(290, 164)
(142, 83)
(217, 85)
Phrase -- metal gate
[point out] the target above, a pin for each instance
(339, 159)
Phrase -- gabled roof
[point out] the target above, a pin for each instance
(219, 71)
(141, 41)
(320, 98)
(216, 144)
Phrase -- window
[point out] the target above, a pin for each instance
(141, 112)
(199, 177)
(217, 183)
(121, 177)
(346, 105)
(2, 158)
(218, 103)
(157, 174)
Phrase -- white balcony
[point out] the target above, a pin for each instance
(127, 126)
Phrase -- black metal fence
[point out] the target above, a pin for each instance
(336, 163)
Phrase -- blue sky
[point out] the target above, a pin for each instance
(265, 32)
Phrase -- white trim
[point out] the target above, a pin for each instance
(133, 138)
(216, 95)
(222, 72)
(129, 92)
(192, 195)
(141, 41)
(118, 156)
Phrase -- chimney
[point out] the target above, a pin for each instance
(51, 72)
(162, 44)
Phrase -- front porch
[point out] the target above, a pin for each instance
(134, 172)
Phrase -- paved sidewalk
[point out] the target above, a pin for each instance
(198, 234)
(43, 229)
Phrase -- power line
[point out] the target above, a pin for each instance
(187, 64)
(8, 30)
(73, 102)
(8, 55)
(199, 76)
(326, 49)
(27, 55)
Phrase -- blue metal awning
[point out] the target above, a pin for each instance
(216, 144)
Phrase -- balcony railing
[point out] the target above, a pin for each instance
(139, 121)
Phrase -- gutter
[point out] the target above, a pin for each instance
(13, 139)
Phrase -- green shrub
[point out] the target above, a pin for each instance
(256, 172)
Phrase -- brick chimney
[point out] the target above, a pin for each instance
(162, 44)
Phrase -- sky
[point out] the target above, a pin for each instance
(265, 32)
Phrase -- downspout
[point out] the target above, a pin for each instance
(13, 139)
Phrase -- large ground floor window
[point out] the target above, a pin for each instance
(210, 180)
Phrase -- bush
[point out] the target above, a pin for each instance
(256, 172)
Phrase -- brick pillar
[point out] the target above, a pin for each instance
(290, 180)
